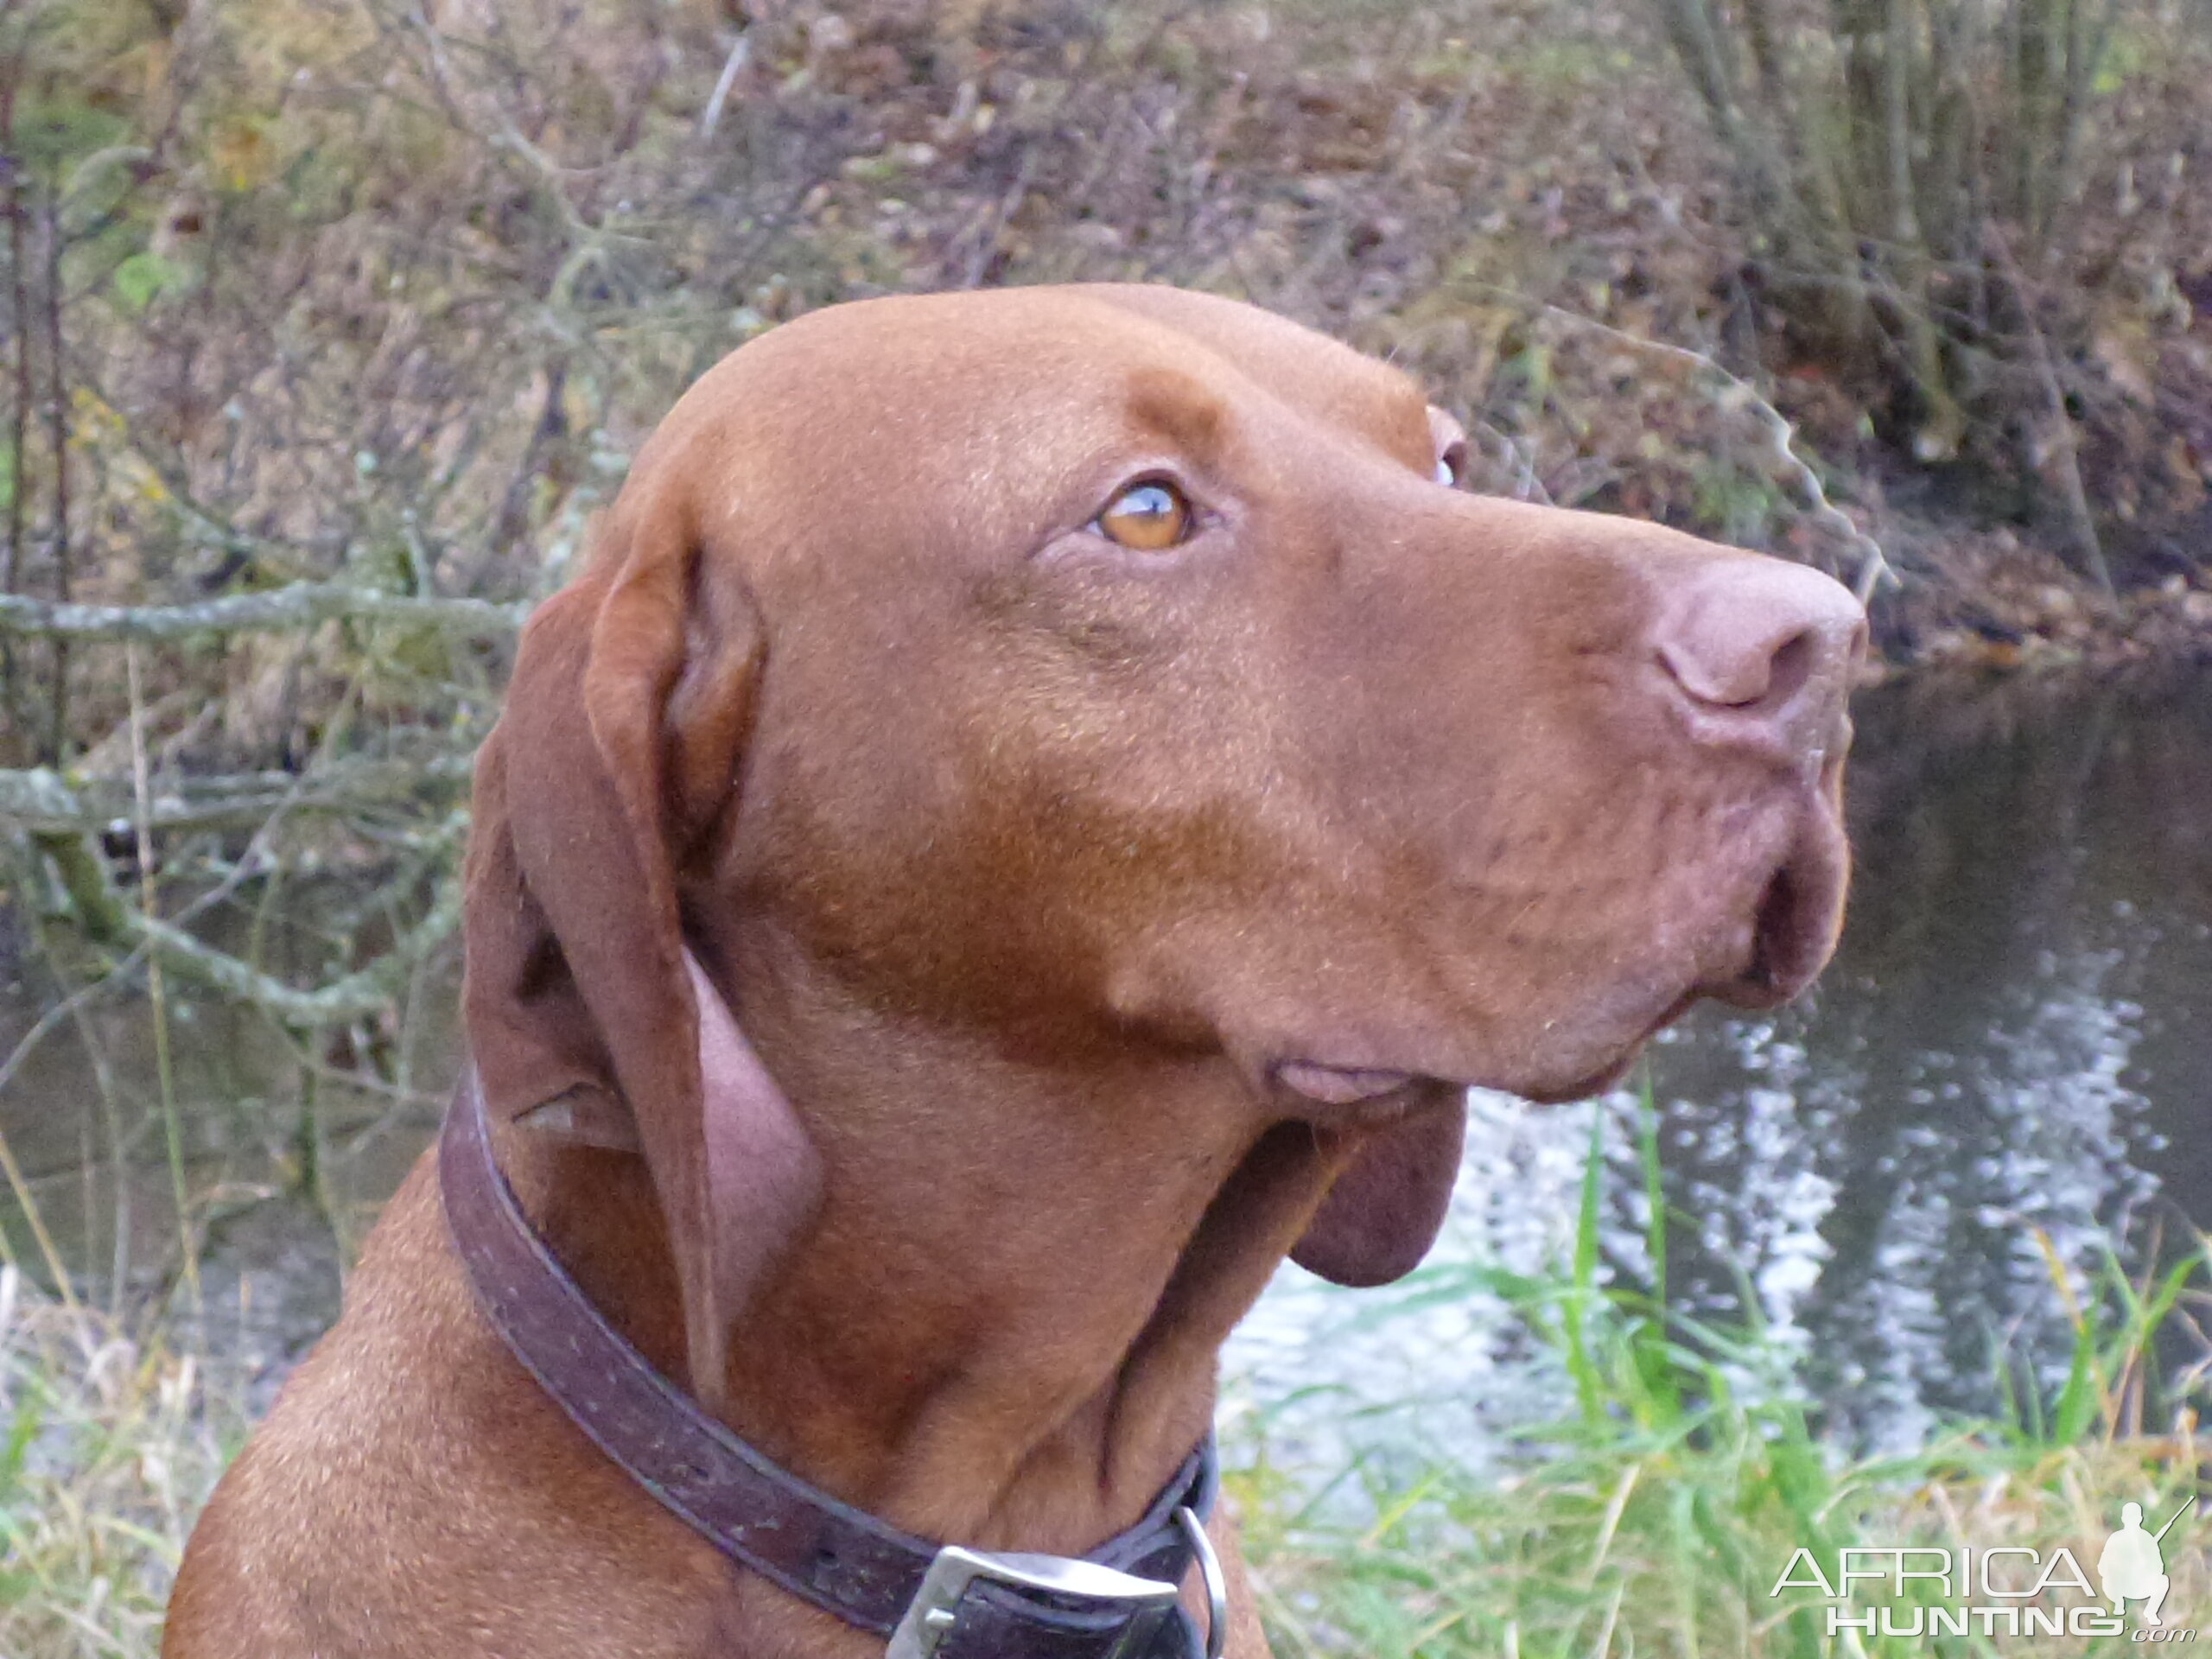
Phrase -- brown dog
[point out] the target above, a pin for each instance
(1125, 795)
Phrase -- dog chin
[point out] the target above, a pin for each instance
(1767, 962)
(1597, 1059)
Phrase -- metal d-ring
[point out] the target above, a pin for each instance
(1209, 1569)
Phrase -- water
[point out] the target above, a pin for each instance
(2008, 1067)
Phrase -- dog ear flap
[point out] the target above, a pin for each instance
(617, 755)
(1384, 1208)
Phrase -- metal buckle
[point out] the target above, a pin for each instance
(930, 1616)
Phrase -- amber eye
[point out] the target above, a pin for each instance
(1147, 517)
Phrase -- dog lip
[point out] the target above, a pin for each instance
(1339, 1085)
(1794, 927)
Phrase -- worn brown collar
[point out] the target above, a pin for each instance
(930, 1602)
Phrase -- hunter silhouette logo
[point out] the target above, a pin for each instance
(2131, 1568)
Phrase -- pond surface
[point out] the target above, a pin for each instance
(2008, 1067)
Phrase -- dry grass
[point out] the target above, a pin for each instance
(112, 1440)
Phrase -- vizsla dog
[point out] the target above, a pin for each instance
(1039, 806)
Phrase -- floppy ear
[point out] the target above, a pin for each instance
(1384, 1209)
(615, 761)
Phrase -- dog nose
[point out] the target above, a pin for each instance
(1763, 651)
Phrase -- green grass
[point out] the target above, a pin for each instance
(1658, 1515)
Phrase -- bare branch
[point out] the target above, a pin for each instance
(40, 800)
(368, 991)
(108, 920)
(299, 605)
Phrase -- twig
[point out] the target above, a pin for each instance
(21, 1190)
(299, 605)
(740, 52)
(149, 900)
(357, 994)
(1010, 204)
(89, 1038)
(1527, 486)
(202, 526)
(42, 801)
(58, 437)
(107, 920)
(12, 204)
(1873, 568)
(591, 243)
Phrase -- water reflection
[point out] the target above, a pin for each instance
(287, 1152)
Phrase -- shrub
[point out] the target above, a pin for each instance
(1913, 174)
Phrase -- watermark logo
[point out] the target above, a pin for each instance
(2130, 1568)
(2002, 1590)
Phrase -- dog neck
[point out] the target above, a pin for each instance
(1001, 1324)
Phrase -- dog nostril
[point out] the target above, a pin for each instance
(1745, 679)
(1790, 668)
(1753, 639)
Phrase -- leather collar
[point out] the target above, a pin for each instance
(929, 1602)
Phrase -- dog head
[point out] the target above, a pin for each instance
(1103, 670)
